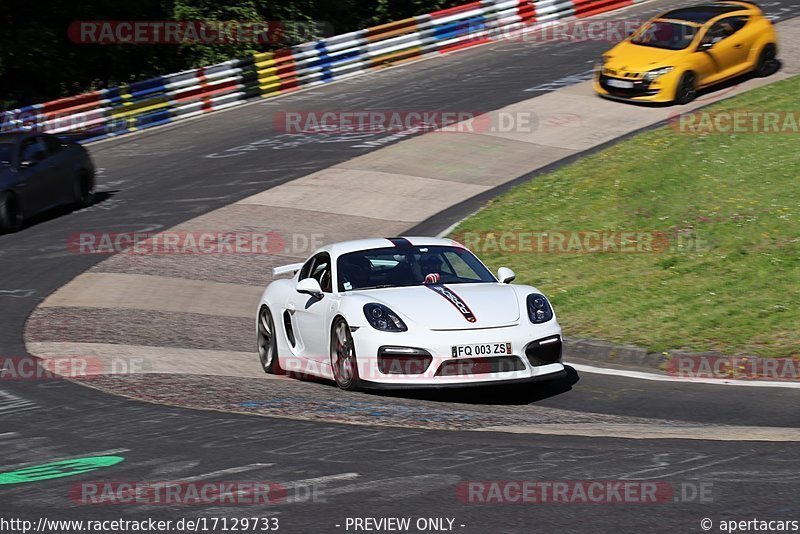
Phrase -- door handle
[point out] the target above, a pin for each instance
(738, 45)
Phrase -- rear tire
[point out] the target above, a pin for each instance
(268, 343)
(767, 61)
(10, 213)
(343, 356)
(687, 89)
(83, 190)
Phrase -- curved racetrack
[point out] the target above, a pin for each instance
(393, 456)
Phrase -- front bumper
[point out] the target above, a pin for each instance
(555, 375)
(444, 370)
(659, 90)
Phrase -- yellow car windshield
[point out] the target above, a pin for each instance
(671, 35)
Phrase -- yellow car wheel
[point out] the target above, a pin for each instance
(767, 62)
(687, 88)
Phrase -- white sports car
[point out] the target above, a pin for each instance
(405, 313)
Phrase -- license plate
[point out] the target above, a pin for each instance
(622, 84)
(481, 349)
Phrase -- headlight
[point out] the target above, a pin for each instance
(653, 74)
(382, 318)
(539, 310)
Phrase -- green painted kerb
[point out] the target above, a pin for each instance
(64, 468)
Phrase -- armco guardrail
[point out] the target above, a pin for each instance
(120, 110)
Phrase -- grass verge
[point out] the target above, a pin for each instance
(729, 279)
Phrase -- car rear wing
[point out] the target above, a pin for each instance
(286, 269)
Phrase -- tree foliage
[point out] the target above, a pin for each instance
(39, 62)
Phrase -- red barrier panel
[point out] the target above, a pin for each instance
(76, 102)
(459, 46)
(208, 90)
(527, 11)
(587, 8)
(455, 10)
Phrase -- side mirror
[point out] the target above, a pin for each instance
(309, 286)
(505, 275)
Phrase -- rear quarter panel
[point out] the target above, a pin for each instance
(761, 32)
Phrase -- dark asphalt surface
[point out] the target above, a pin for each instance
(157, 179)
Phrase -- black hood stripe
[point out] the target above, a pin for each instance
(453, 298)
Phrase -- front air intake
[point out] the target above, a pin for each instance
(480, 366)
(544, 351)
(403, 360)
(287, 325)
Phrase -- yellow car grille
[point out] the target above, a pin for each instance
(622, 74)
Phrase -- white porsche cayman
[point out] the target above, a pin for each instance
(405, 313)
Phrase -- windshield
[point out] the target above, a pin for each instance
(393, 267)
(667, 35)
(6, 150)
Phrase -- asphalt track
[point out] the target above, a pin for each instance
(157, 179)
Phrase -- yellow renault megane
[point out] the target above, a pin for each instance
(673, 55)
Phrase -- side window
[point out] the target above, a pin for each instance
(322, 271)
(724, 28)
(319, 268)
(737, 23)
(32, 149)
(305, 272)
(6, 153)
(54, 145)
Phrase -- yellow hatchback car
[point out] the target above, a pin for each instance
(679, 52)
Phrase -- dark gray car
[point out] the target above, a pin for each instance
(39, 172)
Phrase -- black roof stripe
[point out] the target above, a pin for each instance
(401, 243)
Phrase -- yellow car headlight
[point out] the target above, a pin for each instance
(656, 73)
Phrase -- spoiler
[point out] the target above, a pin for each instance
(286, 269)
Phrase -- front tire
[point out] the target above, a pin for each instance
(767, 61)
(687, 89)
(343, 356)
(267, 343)
(83, 190)
(10, 213)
